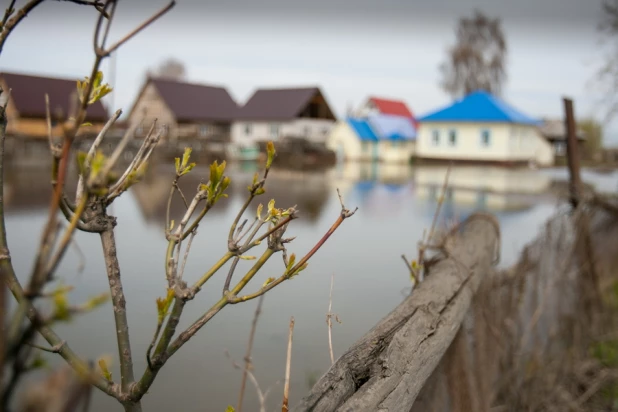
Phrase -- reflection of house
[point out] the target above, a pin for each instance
(381, 130)
(198, 112)
(309, 191)
(554, 130)
(27, 111)
(274, 114)
(483, 186)
(152, 193)
(482, 128)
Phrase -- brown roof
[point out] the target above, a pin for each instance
(277, 104)
(191, 102)
(28, 95)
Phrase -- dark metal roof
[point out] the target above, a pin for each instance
(196, 102)
(28, 95)
(277, 104)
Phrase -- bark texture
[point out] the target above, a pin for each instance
(386, 369)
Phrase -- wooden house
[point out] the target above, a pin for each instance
(187, 112)
(27, 111)
(277, 114)
(482, 128)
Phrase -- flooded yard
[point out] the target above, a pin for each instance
(396, 203)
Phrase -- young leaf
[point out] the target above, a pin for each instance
(291, 262)
(260, 191)
(268, 281)
(247, 257)
(230, 408)
(270, 151)
(81, 159)
(105, 370)
(259, 211)
(186, 155)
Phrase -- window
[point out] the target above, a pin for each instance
(435, 137)
(325, 130)
(485, 138)
(248, 129)
(452, 137)
(365, 146)
(204, 130)
(560, 148)
(394, 144)
(306, 131)
(274, 130)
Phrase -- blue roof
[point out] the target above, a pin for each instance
(392, 127)
(479, 106)
(362, 129)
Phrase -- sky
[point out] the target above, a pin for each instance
(352, 49)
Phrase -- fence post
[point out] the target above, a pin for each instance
(572, 152)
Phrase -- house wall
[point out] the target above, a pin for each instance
(344, 142)
(396, 151)
(36, 127)
(315, 130)
(147, 108)
(508, 142)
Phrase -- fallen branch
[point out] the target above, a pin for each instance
(386, 368)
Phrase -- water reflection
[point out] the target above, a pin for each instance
(483, 188)
(396, 204)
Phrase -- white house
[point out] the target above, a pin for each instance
(275, 114)
(482, 128)
(381, 138)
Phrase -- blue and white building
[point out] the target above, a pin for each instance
(482, 128)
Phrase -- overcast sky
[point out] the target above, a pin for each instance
(350, 48)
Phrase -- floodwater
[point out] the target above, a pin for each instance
(396, 203)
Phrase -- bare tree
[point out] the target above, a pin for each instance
(477, 60)
(170, 69)
(608, 74)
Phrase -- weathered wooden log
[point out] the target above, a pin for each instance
(386, 368)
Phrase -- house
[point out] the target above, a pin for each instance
(554, 131)
(187, 111)
(277, 114)
(378, 105)
(383, 138)
(482, 128)
(27, 110)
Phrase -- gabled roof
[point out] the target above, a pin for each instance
(390, 127)
(362, 129)
(28, 96)
(196, 102)
(278, 104)
(394, 107)
(555, 129)
(479, 106)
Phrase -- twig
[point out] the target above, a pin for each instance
(248, 363)
(120, 314)
(186, 257)
(421, 249)
(81, 185)
(329, 320)
(139, 28)
(261, 395)
(53, 349)
(288, 364)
